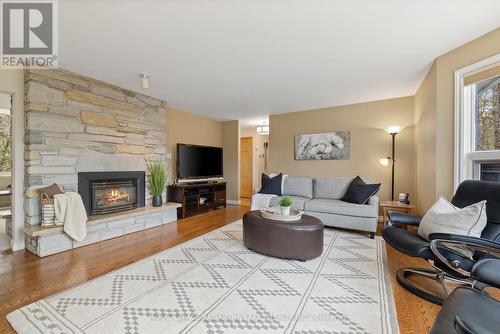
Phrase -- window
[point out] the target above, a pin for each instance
(477, 121)
(487, 114)
(5, 134)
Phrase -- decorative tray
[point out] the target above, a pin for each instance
(275, 214)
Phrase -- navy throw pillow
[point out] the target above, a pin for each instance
(359, 192)
(271, 185)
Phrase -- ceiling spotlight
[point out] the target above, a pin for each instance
(263, 129)
(144, 80)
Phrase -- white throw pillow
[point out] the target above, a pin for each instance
(444, 217)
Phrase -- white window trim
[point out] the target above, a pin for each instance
(465, 157)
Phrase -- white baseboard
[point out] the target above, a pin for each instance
(233, 202)
(15, 246)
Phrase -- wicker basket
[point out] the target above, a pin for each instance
(48, 213)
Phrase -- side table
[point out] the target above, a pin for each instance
(395, 206)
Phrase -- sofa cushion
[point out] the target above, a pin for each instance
(301, 186)
(297, 204)
(333, 187)
(339, 207)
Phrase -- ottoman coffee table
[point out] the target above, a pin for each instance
(299, 240)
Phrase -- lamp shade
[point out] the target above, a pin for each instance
(384, 162)
(394, 129)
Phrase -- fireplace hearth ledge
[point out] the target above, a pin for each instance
(47, 241)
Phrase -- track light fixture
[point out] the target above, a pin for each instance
(144, 80)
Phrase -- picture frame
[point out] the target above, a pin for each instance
(322, 146)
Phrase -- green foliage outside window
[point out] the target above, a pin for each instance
(5, 143)
(488, 115)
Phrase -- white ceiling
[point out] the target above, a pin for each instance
(241, 59)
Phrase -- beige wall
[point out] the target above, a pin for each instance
(434, 113)
(231, 145)
(187, 128)
(425, 141)
(258, 148)
(12, 82)
(472, 52)
(369, 142)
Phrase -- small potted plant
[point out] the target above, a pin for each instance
(285, 203)
(157, 180)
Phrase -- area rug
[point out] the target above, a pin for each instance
(213, 284)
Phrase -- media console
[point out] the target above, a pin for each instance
(197, 198)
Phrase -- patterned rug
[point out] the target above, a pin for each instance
(213, 284)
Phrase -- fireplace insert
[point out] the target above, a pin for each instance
(106, 192)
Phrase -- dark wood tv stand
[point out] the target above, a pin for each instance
(197, 198)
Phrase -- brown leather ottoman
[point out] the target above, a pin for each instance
(301, 240)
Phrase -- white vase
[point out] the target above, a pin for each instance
(285, 210)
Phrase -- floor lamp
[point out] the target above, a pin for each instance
(393, 131)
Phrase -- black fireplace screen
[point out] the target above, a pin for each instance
(113, 196)
(106, 192)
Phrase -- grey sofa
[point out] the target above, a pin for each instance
(320, 197)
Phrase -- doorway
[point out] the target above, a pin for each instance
(246, 167)
(6, 226)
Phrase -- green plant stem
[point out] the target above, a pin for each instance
(157, 177)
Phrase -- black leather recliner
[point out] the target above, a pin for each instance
(448, 263)
(471, 311)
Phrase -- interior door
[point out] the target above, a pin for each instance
(246, 163)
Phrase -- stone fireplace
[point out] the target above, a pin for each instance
(108, 192)
(93, 138)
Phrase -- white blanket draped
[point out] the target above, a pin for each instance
(70, 211)
(260, 201)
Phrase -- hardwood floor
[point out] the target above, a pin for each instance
(415, 315)
(25, 278)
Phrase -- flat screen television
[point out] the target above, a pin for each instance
(198, 162)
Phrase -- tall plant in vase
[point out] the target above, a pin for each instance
(157, 180)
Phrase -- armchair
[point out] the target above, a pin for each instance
(469, 310)
(451, 257)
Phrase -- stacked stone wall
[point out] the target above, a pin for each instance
(78, 124)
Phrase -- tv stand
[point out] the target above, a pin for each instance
(197, 198)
